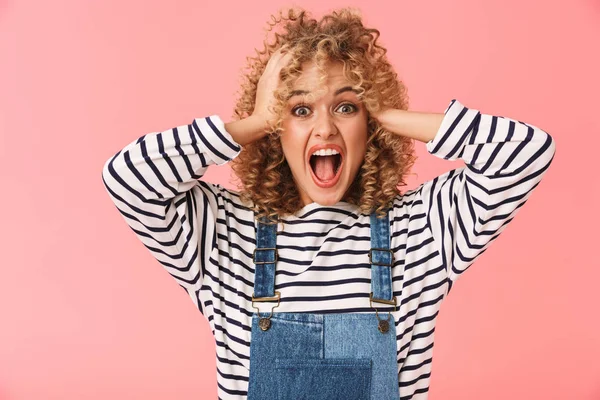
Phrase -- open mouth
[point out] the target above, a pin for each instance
(326, 170)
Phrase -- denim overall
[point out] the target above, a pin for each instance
(300, 355)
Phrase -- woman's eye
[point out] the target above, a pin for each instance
(346, 108)
(348, 105)
(294, 111)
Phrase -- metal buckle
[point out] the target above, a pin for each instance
(273, 298)
(383, 326)
(391, 257)
(265, 262)
(259, 299)
(384, 301)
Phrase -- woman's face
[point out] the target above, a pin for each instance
(334, 119)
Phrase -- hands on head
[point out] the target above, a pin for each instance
(268, 82)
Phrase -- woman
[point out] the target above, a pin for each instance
(319, 279)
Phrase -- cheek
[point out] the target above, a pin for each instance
(358, 145)
(293, 147)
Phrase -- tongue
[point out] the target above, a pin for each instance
(324, 167)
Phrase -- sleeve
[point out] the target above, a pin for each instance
(153, 182)
(467, 208)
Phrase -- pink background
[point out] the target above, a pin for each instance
(87, 313)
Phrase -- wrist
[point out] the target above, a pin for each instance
(388, 118)
(247, 130)
(260, 122)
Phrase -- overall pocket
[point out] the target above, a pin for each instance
(323, 378)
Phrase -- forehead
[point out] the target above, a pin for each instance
(310, 75)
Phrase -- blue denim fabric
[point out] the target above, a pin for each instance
(323, 356)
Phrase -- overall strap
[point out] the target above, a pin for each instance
(265, 257)
(381, 259)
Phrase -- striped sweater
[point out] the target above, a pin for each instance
(204, 235)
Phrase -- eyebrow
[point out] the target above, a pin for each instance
(341, 90)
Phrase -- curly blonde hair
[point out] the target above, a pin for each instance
(261, 166)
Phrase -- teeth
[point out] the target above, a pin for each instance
(325, 152)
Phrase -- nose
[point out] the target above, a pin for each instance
(324, 126)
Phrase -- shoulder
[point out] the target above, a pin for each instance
(227, 203)
(406, 200)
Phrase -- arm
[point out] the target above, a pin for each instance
(467, 208)
(153, 182)
(248, 129)
(421, 126)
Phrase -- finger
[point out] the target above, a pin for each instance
(273, 60)
(277, 55)
(285, 59)
(283, 50)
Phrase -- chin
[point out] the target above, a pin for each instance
(326, 199)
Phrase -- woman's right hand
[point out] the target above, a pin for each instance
(256, 126)
(267, 84)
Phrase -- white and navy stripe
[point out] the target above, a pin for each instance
(204, 236)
